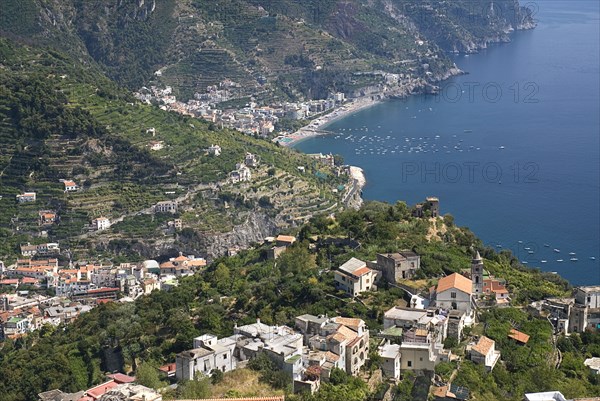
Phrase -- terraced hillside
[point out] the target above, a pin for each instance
(311, 46)
(64, 123)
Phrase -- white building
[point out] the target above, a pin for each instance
(588, 296)
(156, 145)
(166, 207)
(390, 356)
(26, 197)
(545, 396)
(208, 354)
(70, 186)
(101, 223)
(454, 292)
(214, 150)
(484, 353)
(354, 277)
(593, 364)
(251, 160)
(241, 174)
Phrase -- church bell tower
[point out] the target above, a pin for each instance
(477, 275)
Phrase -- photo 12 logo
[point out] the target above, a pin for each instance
(469, 172)
(490, 92)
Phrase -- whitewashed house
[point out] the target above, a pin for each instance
(354, 277)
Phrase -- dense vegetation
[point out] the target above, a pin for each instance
(242, 288)
(199, 43)
(63, 120)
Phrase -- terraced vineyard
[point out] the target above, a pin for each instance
(99, 137)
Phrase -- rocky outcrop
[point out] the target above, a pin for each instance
(256, 227)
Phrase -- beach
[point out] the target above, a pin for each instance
(316, 126)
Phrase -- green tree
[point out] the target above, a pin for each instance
(147, 375)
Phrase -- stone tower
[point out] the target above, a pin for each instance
(477, 275)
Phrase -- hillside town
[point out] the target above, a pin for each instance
(414, 339)
(228, 105)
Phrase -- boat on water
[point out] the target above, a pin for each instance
(530, 252)
(527, 248)
(574, 259)
(556, 250)
(520, 242)
(468, 131)
(572, 253)
(559, 260)
(592, 258)
(502, 147)
(546, 246)
(498, 246)
(523, 262)
(544, 261)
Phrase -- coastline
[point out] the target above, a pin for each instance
(353, 198)
(317, 125)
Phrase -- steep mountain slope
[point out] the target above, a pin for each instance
(60, 120)
(303, 47)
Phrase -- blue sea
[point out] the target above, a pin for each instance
(512, 149)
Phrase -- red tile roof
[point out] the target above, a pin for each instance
(170, 367)
(362, 271)
(286, 238)
(518, 336)
(484, 345)
(494, 286)
(121, 378)
(100, 390)
(457, 281)
(100, 290)
(275, 398)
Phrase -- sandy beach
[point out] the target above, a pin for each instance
(315, 128)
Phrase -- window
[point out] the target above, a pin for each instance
(225, 356)
(421, 359)
(409, 364)
(453, 295)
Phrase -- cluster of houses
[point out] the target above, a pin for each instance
(317, 344)
(30, 196)
(571, 315)
(78, 287)
(249, 119)
(117, 387)
(242, 171)
(22, 313)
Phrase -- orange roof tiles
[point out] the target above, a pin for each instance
(170, 367)
(339, 337)
(362, 271)
(456, 281)
(484, 345)
(286, 238)
(494, 286)
(346, 332)
(330, 356)
(518, 336)
(121, 378)
(100, 390)
(348, 321)
(440, 391)
(274, 398)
